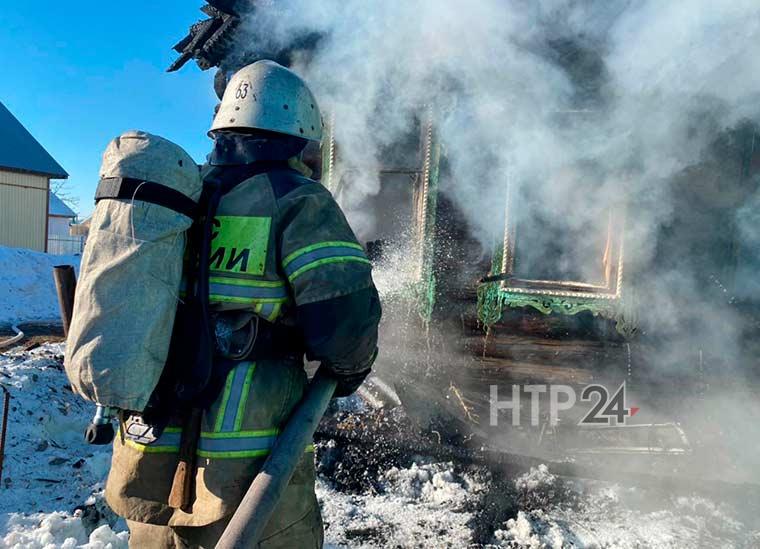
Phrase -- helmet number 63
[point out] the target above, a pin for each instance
(242, 90)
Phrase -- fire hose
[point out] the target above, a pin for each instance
(15, 339)
(248, 523)
(4, 426)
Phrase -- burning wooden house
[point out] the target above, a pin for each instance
(526, 306)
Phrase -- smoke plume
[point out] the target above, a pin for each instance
(581, 106)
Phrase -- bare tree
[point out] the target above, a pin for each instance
(62, 189)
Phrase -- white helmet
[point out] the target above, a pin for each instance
(267, 96)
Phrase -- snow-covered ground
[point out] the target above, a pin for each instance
(435, 506)
(51, 489)
(559, 514)
(27, 291)
(52, 482)
(420, 506)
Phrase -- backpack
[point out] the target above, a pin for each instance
(131, 271)
(141, 337)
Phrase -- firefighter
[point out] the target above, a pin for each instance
(287, 279)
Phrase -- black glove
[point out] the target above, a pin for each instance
(349, 378)
(341, 334)
(347, 382)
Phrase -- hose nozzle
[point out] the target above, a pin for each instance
(100, 430)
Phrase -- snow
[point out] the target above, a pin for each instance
(421, 506)
(52, 484)
(27, 291)
(59, 530)
(51, 492)
(437, 505)
(57, 207)
(607, 515)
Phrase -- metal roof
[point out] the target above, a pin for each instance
(58, 207)
(20, 151)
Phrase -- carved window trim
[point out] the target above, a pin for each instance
(608, 289)
(424, 194)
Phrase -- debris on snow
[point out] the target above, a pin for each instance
(421, 506)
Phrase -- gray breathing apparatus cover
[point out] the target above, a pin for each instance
(130, 277)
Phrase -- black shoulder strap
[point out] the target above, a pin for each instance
(127, 188)
(197, 369)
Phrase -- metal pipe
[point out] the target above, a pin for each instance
(65, 286)
(4, 427)
(252, 516)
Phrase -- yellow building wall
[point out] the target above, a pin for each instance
(23, 210)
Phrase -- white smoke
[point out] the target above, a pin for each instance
(582, 106)
(674, 74)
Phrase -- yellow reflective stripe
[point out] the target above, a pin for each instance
(211, 454)
(244, 398)
(268, 313)
(151, 449)
(330, 244)
(241, 434)
(253, 292)
(219, 445)
(320, 262)
(246, 282)
(275, 312)
(225, 399)
(247, 300)
(202, 453)
(232, 455)
(244, 453)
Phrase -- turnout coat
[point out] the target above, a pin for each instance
(280, 243)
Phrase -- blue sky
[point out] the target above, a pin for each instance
(77, 74)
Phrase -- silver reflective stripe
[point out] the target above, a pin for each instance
(267, 310)
(251, 292)
(171, 438)
(236, 444)
(321, 253)
(235, 394)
